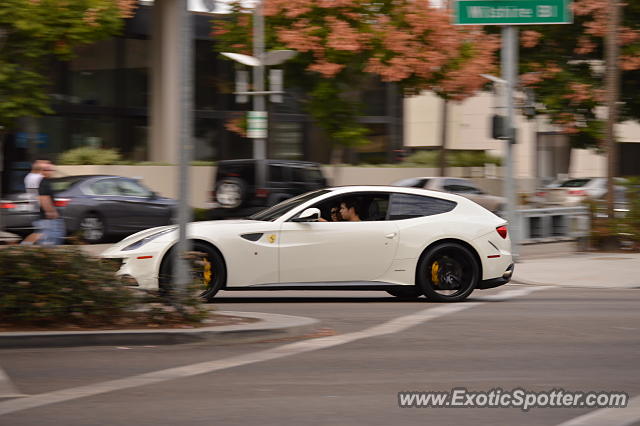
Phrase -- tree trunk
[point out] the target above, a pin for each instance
(443, 137)
(337, 152)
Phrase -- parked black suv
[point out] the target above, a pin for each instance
(243, 187)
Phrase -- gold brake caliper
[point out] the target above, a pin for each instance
(435, 276)
(206, 272)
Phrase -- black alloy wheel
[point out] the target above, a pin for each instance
(210, 273)
(448, 272)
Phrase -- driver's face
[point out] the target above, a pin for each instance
(345, 212)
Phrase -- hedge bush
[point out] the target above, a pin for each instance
(54, 286)
(90, 156)
(431, 158)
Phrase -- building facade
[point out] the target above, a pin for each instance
(122, 93)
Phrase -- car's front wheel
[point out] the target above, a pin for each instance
(211, 274)
(448, 272)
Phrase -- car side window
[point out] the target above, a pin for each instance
(276, 173)
(409, 206)
(297, 174)
(460, 186)
(105, 187)
(133, 189)
(369, 206)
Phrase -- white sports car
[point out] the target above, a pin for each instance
(405, 241)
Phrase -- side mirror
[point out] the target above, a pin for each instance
(309, 215)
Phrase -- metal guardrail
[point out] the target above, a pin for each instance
(552, 224)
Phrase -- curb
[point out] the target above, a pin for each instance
(270, 325)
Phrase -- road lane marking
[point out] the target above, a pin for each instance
(393, 326)
(609, 416)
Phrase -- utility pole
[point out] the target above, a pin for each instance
(259, 103)
(612, 81)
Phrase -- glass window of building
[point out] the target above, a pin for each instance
(92, 74)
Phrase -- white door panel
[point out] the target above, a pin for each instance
(336, 251)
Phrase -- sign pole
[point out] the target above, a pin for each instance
(509, 59)
(182, 274)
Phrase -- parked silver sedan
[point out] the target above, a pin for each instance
(458, 186)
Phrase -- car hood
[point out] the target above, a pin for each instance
(193, 229)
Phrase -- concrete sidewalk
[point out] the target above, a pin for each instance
(585, 269)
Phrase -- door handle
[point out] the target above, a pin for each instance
(391, 235)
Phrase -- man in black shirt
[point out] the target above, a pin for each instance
(53, 226)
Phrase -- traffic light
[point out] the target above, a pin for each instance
(498, 127)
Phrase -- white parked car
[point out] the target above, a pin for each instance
(573, 192)
(408, 242)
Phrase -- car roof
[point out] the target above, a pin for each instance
(398, 189)
(84, 177)
(270, 161)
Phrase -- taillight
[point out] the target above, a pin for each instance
(540, 194)
(7, 206)
(61, 202)
(577, 192)
(502, 231)
(262, 193)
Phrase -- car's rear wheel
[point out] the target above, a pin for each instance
(448, 272)
(211, 274)
(405, 293)
(93, 228)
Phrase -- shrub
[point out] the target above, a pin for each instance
(89, 155)
(425, 158)
(454, 158)
(53, 286)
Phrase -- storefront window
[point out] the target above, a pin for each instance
(136, 72)
(93, 74)
(286, 140)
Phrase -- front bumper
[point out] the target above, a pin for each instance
(497, 282)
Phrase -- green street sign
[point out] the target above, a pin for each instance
(512, 12)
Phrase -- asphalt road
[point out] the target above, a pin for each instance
(370, 348)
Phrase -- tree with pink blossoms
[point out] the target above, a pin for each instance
(564, 65)
(343, 45)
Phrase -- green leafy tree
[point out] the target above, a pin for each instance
(344, 45)
(564, 66)
(35, 32)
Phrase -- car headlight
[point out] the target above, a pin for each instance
(146, 239)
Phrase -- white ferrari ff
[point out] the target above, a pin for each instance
(405, 241)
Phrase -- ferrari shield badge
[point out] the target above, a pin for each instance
(272, 238)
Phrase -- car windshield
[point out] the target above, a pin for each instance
(273, 213)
